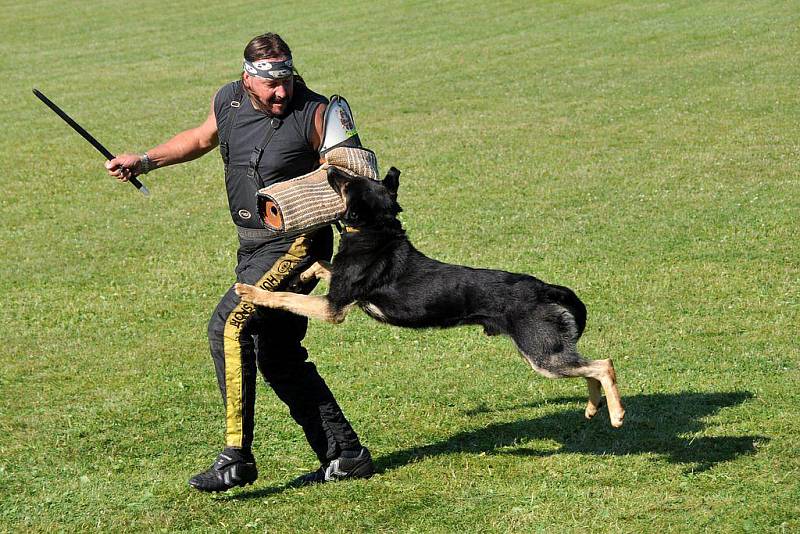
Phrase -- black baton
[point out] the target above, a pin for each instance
(86, 135)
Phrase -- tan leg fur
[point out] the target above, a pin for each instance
(310, 306)
(604, 372)
(321, 270)
(595, 397)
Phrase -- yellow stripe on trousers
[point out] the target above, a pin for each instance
(233, 348)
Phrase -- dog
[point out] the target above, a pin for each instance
(377, 268)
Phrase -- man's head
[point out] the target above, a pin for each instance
(268, 73)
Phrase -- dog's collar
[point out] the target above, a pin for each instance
(346, 229)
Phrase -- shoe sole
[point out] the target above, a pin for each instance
(365, 471)
(203, 490)
(253, 476)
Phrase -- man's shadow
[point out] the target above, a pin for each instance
(663, 424)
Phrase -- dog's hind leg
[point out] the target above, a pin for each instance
(549, 348)
(596, 372)
(595, 398)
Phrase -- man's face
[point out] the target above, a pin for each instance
(273, 96)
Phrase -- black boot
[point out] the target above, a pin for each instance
(350, 464)
(233, 467)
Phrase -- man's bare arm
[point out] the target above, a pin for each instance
(317, 133)
(185, 146)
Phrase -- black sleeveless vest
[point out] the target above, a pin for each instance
(250, 164)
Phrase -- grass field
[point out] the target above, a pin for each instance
(645, 154)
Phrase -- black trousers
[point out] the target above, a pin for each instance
(243, 338)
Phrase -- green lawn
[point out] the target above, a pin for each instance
(645, 154)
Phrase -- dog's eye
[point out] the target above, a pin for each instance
(352, 214)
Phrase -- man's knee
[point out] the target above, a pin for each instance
(292, 368)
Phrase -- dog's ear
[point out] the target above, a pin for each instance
(392, 181)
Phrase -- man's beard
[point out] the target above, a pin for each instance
(284, 103)
(267, 109)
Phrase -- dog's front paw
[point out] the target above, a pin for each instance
(308, 275)
(249, 293)
(318, 271)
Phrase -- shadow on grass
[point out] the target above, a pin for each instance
(660, 424)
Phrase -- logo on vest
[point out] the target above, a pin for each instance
(244, 214)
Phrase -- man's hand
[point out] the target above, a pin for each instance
(124, 166)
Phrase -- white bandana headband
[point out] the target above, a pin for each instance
(271, 70)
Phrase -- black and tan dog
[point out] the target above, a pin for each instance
(377, 268)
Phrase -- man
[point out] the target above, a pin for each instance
(269, 128)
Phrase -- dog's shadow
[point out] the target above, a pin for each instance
(667, 425)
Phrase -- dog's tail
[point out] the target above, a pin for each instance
(569, 300)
